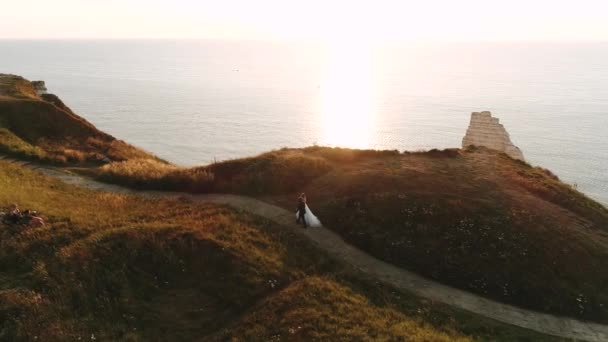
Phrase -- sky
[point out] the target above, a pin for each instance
(315, 20)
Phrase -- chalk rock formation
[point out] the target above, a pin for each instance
(39, 87)
(484, 130)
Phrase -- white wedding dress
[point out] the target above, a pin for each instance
(311, 219)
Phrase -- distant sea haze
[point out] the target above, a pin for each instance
(192, 102)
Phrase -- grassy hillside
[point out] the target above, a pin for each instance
(43, 128)
(474, 219)
(117, 267)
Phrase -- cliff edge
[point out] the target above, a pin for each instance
(38, 125)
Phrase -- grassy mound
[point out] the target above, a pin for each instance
(274, 173)
(47, 130)
(321, 309)
(269, 173)
(479, 221)
(149, 173)
(117, 267)
(475, 219)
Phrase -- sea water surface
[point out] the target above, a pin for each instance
(192, 102)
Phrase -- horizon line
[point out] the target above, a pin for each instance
(271, 40)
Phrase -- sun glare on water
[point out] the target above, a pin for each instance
(348, 100)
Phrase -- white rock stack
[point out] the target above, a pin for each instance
(484, 130)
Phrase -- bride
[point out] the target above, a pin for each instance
(305, 215)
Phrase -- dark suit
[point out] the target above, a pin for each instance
(301, 212)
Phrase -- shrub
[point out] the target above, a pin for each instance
(74, 155)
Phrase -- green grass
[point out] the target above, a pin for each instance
(118, 267)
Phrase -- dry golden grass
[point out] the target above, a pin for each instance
(320, 309)
(118, 267)
(12, 86)
(269, 173)
(149, 173)
(504, 229)
(477, 220)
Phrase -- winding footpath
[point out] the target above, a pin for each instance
(400, 278)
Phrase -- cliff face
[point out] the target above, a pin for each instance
(484, 130)
(41, 121)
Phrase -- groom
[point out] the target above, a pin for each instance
(302, 210)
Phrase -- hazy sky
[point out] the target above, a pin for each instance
(380, 20)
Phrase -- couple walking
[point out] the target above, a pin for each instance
(304, 215)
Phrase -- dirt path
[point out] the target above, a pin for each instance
(335, 245)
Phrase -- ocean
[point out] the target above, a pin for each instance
(194, 101)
